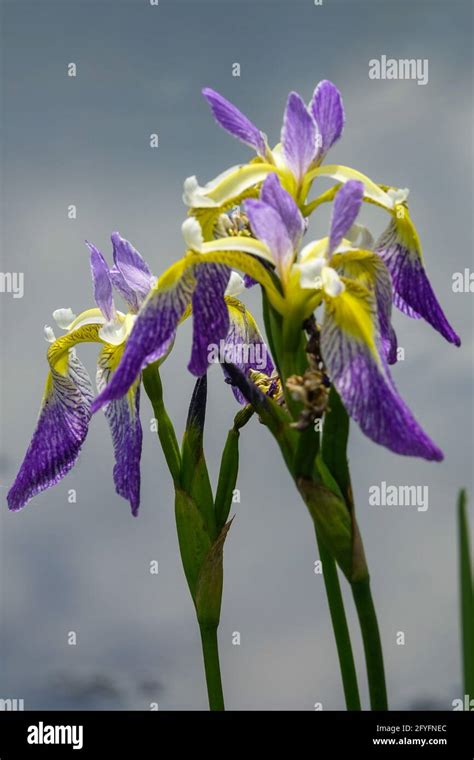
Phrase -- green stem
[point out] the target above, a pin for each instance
(372, 644)
(467, 596)
(340, 627)
(210, 654)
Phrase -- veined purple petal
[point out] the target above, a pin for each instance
(131, 274)
(244, 346)
(210, 315)
(366, 388)
(123, 417)
(275, 196)
(268, 226)
(328, 111)
(102, 283)
(233, 121)
(413, 293)
(60, 432)
(154, 329)
(346, 206)
(298, 136)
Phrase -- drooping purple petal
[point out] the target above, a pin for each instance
(102, 283)
(299, 136)
(346, 206)
(363, 381)
(131, 274)
(60, 432)
(268, 226)
(413, 293)
(233, 121)
(275, 196)
(244, 346)
(123, 417)
(328, 112)
(210, 315)
(152, 333)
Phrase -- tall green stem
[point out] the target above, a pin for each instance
(372, 644)
(340, 627)
(212, 668)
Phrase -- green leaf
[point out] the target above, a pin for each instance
(334, 443)
(166, 433)
(210, 582)
(194, 540)
(194, 474)
(467, 596)
(336, 527)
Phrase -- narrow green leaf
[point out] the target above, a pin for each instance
(194, 540)
(210, 582)
(166, 433)
(194, 474)
(467, 598)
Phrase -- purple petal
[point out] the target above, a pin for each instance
(268, 226)
(131, 275)
(328, 111)
(152, 333)
(102, 283)
(298, 136)
(60, 432)
(413, 293)
(244, 346)
(346, 206)
(123, 417)
(275, 196)
(367, 390)
(232, 120)
(210, 315)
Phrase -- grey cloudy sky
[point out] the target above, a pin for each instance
(85, 141)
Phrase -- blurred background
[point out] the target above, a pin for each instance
(84, 566)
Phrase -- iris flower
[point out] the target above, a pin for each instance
(307, 134)
(352, 283)
(66, 406)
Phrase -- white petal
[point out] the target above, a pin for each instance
(236, 285)
(398, 195)
(332, 284)
(117, 331)
(192, 233)
(64, 318)
(49, 335)
(360, 236)
(310, 272)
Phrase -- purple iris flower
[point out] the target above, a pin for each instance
(66, 407)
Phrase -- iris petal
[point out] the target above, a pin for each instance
(275, 196)
(234, 121)
(362, 379)
(413, 295)
(210, 315)
(62, 424)
(298, 136)
(328, 111)
(123, 417)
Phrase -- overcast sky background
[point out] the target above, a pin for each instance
(84, 567)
